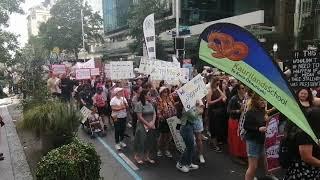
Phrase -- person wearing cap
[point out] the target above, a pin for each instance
(166, 109)
(119, 107)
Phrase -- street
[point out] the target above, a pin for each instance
(218, 166)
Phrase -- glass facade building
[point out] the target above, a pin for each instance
(115, 14)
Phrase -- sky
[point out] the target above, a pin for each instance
(18, 22)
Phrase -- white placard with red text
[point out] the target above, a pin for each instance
(95, 72)
(82, 74)
(58, 69)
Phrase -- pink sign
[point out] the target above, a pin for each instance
(95, 72)
(58, 69)
(82, 74)
(272, 143)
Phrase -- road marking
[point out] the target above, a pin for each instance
(128, 161)
(121, 161)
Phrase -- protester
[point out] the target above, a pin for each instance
(237, 147)
(86, 97)
(188, 120)
(305, 163)
(66, 86)
(99, 100)
(144, 140)
(255, 126)
(52, 85)
(165, 109)
(136, 90)
(306, 98)
(1, 124)
(119, 107)
(198, 128)
(216, 113)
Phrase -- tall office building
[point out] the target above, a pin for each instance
(115, 14)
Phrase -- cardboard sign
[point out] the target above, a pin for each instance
(177, 138)
(272, 143)
(305, 68)
(85, 113)
(192, 91)
(58, 69)
(95, 72)
(82, 74)
(107, 70)
(121, 70)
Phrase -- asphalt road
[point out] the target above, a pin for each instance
(218, 166)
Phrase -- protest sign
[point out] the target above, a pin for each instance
(272, 143)
(184, 75)
(150, 36)
(177, 138)
(192, 91)
(85, 113)
(121, 70)
(107, 70)
(82, 74)
(58, 69)
(95, 72)
(305, 68)
(87, 65)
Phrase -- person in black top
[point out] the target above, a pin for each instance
(255, 125)
(86, 96)
(66, 86)
(306, 161)
(236, 146)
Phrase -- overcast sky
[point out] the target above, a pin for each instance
(18, 22)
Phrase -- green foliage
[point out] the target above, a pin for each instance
(56, 120)
(75, 161)
(137, 14)
(64, 30)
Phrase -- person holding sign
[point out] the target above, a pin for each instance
(189, 120)
(144, 139)
(216, 100)
(119, 107)
(255, 125)
(166, 109)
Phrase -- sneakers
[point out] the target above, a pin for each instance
(193, 167)
(168, 154)
(118, 147)
(122, 144)
(159, 154)
(184, 169)
(204, 138)
(217, 149)
(201, 158)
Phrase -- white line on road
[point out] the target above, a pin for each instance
(128, 161)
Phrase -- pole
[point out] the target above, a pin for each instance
(82, 27)
(177, 24)
(296, 25)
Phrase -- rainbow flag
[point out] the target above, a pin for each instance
(237, 52)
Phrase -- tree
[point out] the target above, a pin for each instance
(64, 28)
(8, 41)
(137, 13)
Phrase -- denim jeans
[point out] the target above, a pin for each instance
(119, 129)
(186, 132)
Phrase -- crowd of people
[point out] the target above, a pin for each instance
(231, 115)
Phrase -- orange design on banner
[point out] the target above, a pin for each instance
(226, 47)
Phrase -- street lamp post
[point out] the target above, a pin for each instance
(275, 49)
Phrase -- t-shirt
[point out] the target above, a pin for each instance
(147, 110)
(118, 102)
(52, 85)
(235, 103)
(303, 138)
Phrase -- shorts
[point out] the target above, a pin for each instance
(102, 111)
(164, 127)
(197, 126)
(254, 149)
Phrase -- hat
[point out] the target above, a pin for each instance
(162, 89)
(116, 90)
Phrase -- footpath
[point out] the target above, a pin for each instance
(14, 166)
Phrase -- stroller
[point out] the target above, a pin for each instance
(94, 124)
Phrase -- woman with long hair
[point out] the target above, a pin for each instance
(237, 147)
(165, 109)
(255, 126)
(144, 139)
(305, 163)
(306, 98)
(216, 112)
